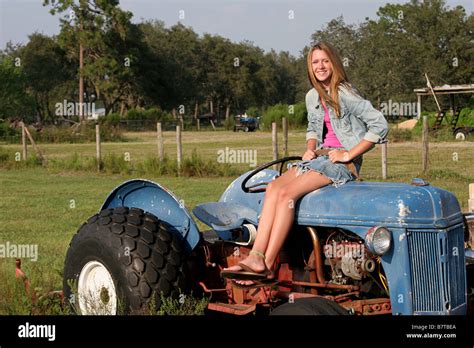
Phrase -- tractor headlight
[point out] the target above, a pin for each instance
(378, 240)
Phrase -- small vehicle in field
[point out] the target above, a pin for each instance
(366, 248)
(246, 123)
(459, 132)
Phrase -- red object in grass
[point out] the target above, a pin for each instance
(21, 275)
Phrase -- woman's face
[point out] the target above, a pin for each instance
(322, 66)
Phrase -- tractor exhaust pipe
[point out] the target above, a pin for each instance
(318, 261)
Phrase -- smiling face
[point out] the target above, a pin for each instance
(322, 66)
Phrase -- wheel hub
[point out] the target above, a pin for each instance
(96, 290)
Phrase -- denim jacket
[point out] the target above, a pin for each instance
(358, 120)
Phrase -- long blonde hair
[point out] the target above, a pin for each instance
(338, 76)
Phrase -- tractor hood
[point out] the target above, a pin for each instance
(363, 204)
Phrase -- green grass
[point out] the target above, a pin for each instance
(207, 143)
(35, 208)
(46, 206)
(184, 305)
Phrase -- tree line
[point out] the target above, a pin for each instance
(147, 65)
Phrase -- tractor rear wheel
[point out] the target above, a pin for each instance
(310, 306)
(121, 261)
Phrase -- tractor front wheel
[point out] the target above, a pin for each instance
(121, 261)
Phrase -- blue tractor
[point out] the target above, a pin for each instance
(246, 123)
(366, 248)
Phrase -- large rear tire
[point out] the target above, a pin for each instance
(120, 260)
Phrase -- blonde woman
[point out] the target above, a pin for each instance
(340, 121)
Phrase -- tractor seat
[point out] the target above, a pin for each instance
(223, 216)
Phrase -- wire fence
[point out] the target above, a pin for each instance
(69, 134)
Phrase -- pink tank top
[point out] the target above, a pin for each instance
(331, 139)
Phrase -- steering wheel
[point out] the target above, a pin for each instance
(253, 188)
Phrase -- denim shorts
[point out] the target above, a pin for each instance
(336, 172)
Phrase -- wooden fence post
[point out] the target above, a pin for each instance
(179, 148)
(425, 142)
(471, 198)
(97, 147)
(23, 142)
(384, 161)
(285, 136)
(274, 143)
(36, 147)
(159, 137)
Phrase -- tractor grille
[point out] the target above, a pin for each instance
(437, 268)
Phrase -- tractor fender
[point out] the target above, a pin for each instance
(159, 201)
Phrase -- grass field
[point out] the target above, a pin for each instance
(45, 207)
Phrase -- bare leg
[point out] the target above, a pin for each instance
(284, 216)
(285, 212)
(268, 211)
(266, 221)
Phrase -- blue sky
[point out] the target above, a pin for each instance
(264, 22)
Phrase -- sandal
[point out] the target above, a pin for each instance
(247, 273)
(257, 284)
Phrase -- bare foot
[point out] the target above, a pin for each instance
(256, 263)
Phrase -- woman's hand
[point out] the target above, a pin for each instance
(339, 156)
(309, 155)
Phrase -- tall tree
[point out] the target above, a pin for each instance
(106, 33)
(14, 101)
(47, 73)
